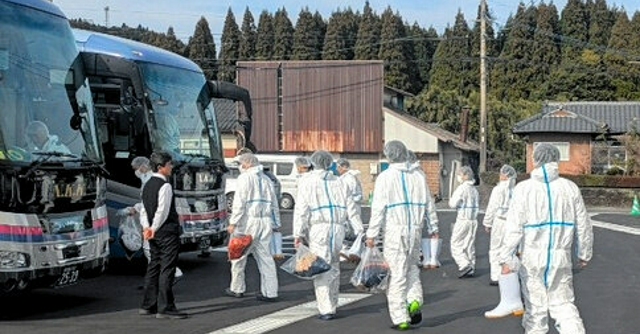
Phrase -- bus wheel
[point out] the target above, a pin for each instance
(286, 202)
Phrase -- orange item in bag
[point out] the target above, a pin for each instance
(238, 246)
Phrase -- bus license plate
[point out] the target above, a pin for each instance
(69, 276)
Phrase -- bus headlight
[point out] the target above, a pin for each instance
(12, 260)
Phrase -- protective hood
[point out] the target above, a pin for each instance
(254, 169)
(549, 171)
(401, 166)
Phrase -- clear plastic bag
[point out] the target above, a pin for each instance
(305, 265)
(130, 232)
(372, 274)
(349, 232)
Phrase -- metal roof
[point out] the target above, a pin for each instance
(436, 131)
(582, 117)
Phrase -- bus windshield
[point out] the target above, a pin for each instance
(45, 101)
(183, 113)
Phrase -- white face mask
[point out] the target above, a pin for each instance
(144, 177)
(459, 178)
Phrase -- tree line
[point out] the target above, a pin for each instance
(585, 52)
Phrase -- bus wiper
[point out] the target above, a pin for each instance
(94, 163)
(192, 156)
(44, 157)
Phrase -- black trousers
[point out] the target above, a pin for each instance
(158, 292)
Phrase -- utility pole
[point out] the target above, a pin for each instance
(106, 16)
(483, 86)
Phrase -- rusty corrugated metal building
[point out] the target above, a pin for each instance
(303, 106)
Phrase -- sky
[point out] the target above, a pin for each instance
(182, 15)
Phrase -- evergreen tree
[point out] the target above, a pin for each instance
(425, 44)
(305, 37)
(601, 20)
(248, 37)
(202, 49)
(617, 58)
(339, 41)
(321, 31)
(511, 78)
(393, 50)
(501, 37)
(451, 63)
(574, 27)
(265, 37)
(546, 50)
(230, 49)
(283, 43)
(173, 44)
(368, 38)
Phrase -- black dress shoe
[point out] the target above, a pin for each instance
(144, 311)
(230, 293)
(262, 298)
(327, 317)
(172, 315)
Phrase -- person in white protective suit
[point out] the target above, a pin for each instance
(465, 200)
(350, 180)
(546, 217)
(495, 221)
(142, 169)
(401, 203)
(303, 165)
(319, 217)
(431, 241)
(255, 212)
(495, 217)
(38, 135)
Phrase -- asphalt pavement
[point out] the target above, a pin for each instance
(607, 292)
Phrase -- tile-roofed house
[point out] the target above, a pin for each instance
(588, 134)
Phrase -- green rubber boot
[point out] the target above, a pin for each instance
(415, 312)
(402, 327)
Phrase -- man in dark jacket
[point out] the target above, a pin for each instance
(162, 230)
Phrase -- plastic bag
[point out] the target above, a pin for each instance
(372, 274)
(304, 264)
(357, 248)
(130, 232)
(276, 245)
(349, 232)
(238, 246)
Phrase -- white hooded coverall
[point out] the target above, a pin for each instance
(401, 204)
(495, 218)
(354, 189)
(546, 215)
(463, 235)
(255, 212)
(322, 209)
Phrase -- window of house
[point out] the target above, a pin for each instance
(563, 147)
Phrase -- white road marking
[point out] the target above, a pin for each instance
(616, 227)
(285, 317)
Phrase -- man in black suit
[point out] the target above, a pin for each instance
(162, 230)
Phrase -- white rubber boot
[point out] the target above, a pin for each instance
(426, 252)
(510, 302)
(435, 253)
